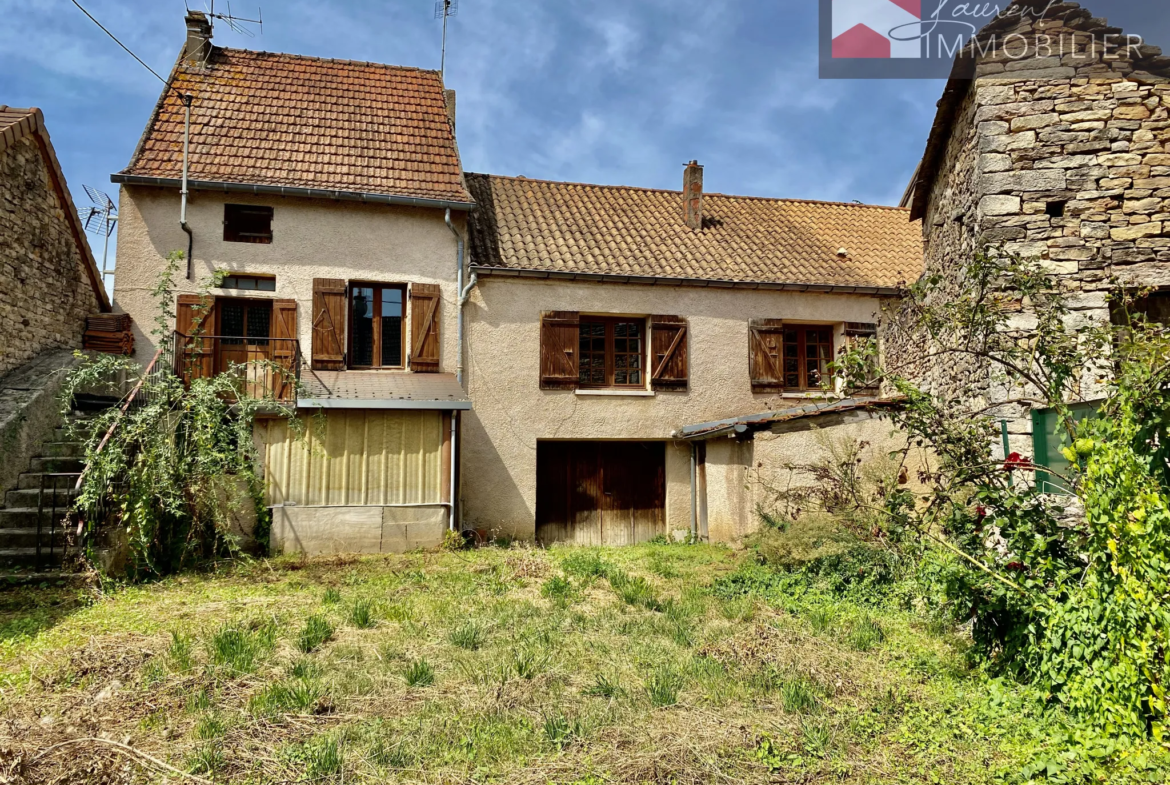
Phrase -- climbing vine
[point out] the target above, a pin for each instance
(178, 476)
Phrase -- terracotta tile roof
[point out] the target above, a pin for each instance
(305, 122)
(538, 225)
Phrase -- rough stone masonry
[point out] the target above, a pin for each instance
(1061, 158)
(45, 293)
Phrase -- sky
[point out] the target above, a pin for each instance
(597, 91)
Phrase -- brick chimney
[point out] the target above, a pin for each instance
(198, 47)
(693, 195)
(449, 99)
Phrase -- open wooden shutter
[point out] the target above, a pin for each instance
(560, 338)
(669, 353)
(766, 355)
(284, 347)
(424, 327)
(328, 324)
(194, 355)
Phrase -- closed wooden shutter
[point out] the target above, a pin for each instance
(424, 327)
(669, 353)
(284, 347)
(328, 350)
(766, 355)
(194, 355)
(560, 339)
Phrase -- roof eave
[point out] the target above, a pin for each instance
(651, 280)
(122, 178)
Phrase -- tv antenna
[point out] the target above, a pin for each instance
(237, 24)
(100, 218)
(445, 9)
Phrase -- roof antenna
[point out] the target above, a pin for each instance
(100, 218)
(445, 9)
(236, 23)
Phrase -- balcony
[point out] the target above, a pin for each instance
(267, 368)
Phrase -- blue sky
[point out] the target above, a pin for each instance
(606, 91)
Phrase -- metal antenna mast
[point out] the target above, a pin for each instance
(100, 218)
(236, 23)
(445, 9)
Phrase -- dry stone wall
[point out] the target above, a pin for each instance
(1062, 158)
(45, 293)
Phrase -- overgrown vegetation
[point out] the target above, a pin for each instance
(1068, 597)
(738, 673)
(178, 475)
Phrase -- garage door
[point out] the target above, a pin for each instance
(600, 493)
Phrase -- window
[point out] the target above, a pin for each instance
(377, 337)
(250, 283)
(243, 223)
(244, 322)
(612, 352)
(1154, 308)
(807, 353)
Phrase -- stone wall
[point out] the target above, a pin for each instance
(1062, 158)
(45, 293)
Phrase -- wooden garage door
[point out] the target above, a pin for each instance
(600, 493)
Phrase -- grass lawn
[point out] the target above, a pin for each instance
(644, 664)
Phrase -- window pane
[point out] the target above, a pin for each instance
(362, 308)
(231, 322)
(592, 359)
(627, 353)
(391, 333)
(259, 317)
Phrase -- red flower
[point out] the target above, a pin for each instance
(1016, 567)
(1016, 461)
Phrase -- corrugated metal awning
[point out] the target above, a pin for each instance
(382, 390)
(765, 420)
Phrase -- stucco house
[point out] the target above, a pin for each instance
(331, 194)
(511, 356)
(612, 329)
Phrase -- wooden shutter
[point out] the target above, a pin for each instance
(424, 327)
(560, 339)
(193, 318)
(766, 355)
(669, 358)
(328, 324)
(284, 348)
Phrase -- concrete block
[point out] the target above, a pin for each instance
(317, 531)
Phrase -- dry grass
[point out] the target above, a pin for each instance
(209, 674)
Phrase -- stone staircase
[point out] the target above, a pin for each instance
(55, 469)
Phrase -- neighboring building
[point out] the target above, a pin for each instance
(606, 319)
(49, 284)
(323, 187)
(1062, 158)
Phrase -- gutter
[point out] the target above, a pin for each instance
(652, 280)
(285, 190)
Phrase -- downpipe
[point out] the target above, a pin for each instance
(187, 99)
(461, 294)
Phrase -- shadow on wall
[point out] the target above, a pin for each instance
(486, 476)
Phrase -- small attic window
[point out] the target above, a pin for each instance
(246, 223)
(250, 283)
(1055, 209)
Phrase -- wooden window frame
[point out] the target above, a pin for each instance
(610, 365)
(245, 339)
(233, 234)
(377, 349)
(802, 354)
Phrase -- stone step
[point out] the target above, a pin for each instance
(28, 576)
(31, 499)
(62, 450)
(56, 465)
(18, 518)
(66, 433)
(60, 480)
(27, 557)
(27, 538)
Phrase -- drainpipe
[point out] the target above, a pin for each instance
(454, 463)
(694, 492)
(187, 99)
(459, 297)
